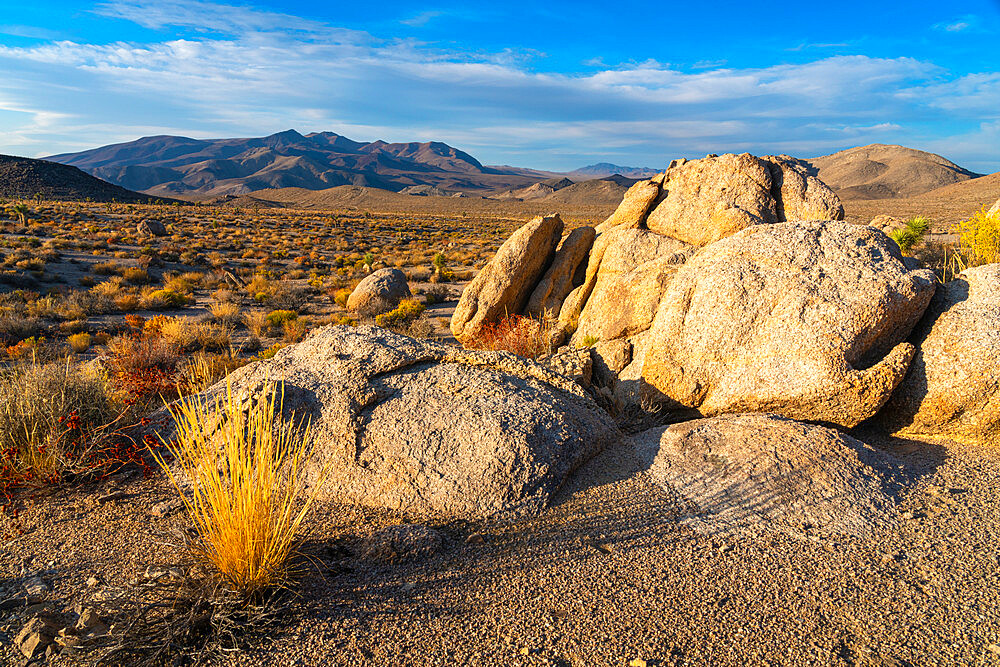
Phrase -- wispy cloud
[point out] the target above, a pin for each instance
(421, 19)
(960, 24)
(267, 71)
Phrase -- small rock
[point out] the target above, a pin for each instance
(109, 497)
(525, 651)
(475, 538)
(994, 649)
(166, 508)
(36, 586)
(159, 572)
(93, 582)
(35, 637)
(637, 662)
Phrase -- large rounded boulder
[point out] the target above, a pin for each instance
(803, 319)
(505, 284)
(629, 271)
(706, 200)
(953, 386)
(379, 293)
(754, 471)
(427, 428)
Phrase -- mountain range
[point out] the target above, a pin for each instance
(206, 168)
(210, 169)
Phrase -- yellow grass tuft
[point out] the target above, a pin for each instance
(247, 491)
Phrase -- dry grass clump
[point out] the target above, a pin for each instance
(242, 477)
(524, 336)
(226, 313)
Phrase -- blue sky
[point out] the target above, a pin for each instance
(552, 85)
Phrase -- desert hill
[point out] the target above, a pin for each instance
(944, 206)
(22, 177)
(202, 169)
(589, 201)
(881, 171)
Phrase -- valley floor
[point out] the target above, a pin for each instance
(607, 576)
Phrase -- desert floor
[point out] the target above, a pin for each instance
(606, 576)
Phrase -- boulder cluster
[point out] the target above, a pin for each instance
(728, 294)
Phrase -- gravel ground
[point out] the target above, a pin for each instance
(606, 577)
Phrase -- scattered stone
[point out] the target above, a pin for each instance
(93, 582)
(151, 228)
(475, 538)
(167, 507)
(36, 636)
(401, 543)
(804, 319)
(111, 497)
(36, 586)
(379, 293)
(429, 428)
(507, 281)
(155, 572)
(754, 471)
(951, 388)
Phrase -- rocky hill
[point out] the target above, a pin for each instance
(22, 177)
(880, 171)
(202, 169)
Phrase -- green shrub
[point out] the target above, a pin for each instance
(277, 318)
(405, 313)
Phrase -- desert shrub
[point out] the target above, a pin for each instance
(57, 419)
(135, 276)
(978, 240)
(106, 268)
(79, 342)
(436, 294)
(402, 316)
(245, 486)
(163, 298)
(341, 296)
(142, 367)
(277, 318)
(911, 234)
(257, 323)
(290, 297)
(294, 330)
(524, 336)
(15, 328)
(187, 334)
(271, 351)
(225, 312)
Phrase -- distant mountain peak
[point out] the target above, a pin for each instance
(604, 169)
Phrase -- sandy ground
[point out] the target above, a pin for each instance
(604, 577)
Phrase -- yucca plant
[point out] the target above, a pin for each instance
(908, 237)
(241, 475)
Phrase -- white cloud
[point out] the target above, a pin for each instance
(254, 72)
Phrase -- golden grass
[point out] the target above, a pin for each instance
(241, 475)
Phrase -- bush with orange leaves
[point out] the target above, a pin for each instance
(524, 336)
